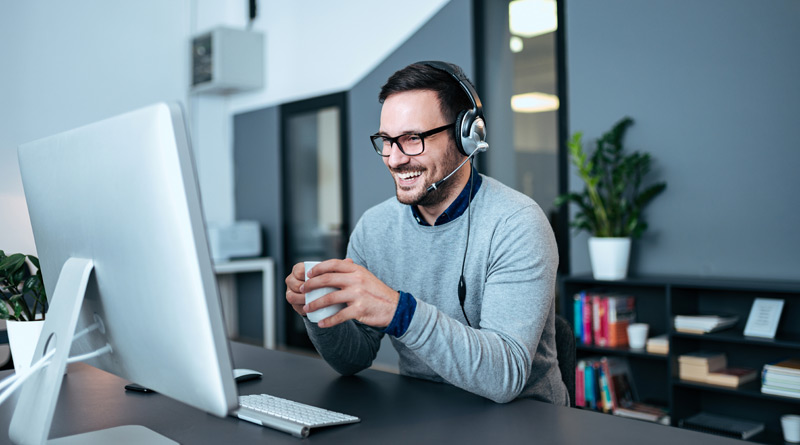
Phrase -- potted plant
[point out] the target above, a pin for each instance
(23, 304)
(610, 206)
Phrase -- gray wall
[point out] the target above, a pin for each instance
(445, 37)
(713, 88)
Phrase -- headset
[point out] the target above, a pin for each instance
(470, 124)
(470, 140)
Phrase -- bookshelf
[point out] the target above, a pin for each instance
(658, 300)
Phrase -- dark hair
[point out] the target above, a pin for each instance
(452, 97)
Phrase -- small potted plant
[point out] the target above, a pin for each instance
(23, 304)
(610, 206)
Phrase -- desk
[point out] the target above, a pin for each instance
(393, 409)
(267, 268)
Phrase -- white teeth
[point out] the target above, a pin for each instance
(408, 175)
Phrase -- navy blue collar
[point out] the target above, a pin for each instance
(457, 208)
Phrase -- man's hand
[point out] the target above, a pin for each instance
(368, 299)
(294, 293)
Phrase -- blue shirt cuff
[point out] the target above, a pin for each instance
(402, 315)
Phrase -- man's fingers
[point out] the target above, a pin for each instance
(326, 300)
(333, 266)
(299, 271)
(338, 318)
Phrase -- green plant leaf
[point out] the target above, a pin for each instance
(13, 262)
(34, 261)
(611, 202)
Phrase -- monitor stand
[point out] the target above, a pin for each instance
(121, 435)
(33, 414)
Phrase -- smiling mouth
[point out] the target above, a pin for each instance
(408, 176)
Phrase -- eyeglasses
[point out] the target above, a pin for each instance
(411, 144)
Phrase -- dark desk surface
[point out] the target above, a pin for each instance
(393, 409)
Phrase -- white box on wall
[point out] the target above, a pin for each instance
(227, 60)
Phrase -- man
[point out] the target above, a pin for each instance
(409, 258)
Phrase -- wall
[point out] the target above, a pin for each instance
(66, 64)
(712, 87)
(370, 182)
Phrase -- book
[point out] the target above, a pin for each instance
(588, 384)
(731, 377)
(702, 324)
(722, 425)
(605, 395)
(642, 411)
(606, 383)
(710, 359)
(580, 398)
(621, 313)
(778, 391)
(788, 367)
(577, 316)
(658, 344)
(781, 380)
(692, 373)
(587, 319)
(597, 320)
(695, 366)
(621, 382)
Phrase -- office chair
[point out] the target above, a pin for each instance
(565, 351)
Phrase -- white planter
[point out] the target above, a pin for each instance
(609, 257)
(22, 338)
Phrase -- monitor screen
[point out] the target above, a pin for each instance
(122, 193)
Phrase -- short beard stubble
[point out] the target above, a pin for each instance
(437, 196)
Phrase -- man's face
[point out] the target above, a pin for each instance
(418, 111)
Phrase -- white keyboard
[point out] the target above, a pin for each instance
(287, 415)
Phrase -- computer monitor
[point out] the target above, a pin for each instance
(118, 224)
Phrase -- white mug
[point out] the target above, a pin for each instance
(637, 335)
(325, 312)
(791, 428)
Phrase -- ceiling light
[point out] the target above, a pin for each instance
(534, 102)
(530, 18)
(516, 45)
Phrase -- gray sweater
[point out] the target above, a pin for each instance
(510, 273)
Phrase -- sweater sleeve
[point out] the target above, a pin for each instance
(495, 359)
(351, 346)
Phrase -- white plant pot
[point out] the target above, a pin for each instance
(609, 257)
(22, 339)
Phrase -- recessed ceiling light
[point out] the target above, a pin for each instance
(515, 43)
(530, 18)
(534, 102)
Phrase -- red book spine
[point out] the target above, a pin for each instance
(603, 339)
(587, 319)
(596, 319)
(580, 394)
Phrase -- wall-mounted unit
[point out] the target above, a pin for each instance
(227, 60)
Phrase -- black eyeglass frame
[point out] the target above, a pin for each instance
(395, 140)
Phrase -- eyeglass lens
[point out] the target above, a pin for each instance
(410, 144)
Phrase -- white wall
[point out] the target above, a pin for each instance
(66, 64)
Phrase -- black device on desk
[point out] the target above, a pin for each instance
(118, 224)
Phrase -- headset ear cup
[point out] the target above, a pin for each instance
(460, 131)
